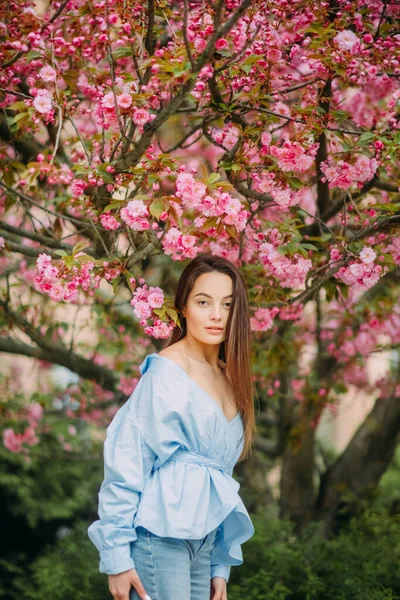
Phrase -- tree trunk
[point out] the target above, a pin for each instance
(296, 488)
(360, 467)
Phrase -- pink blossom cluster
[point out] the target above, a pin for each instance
(343, 175)
(291, 312)
(226, 137)
(394, 249)
(178, 245)
(360, 274)
(348, 41)
(127, 384)
(15, 441)
(107, 113)
(290, 271)
(263, 319)
(283, 196)
(292, 156)
(109, 221)
(136, 215)
(222, 205)
(43, 101)
(145, 300)
(64, 284)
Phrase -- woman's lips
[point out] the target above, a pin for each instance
(214, 331)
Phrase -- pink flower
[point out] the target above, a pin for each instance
(291, 272)
(109, 221)
(263, 319)
(266, 138)
(178, 245)
(124, 100)
(221, 44)
(2, 242)
(43, 102)
(11, 440)
(135, 215)
(127, 384)
(34, 413)
(343, 175)
(160, 329)
(155, 297)
(78, 187)
(292, 156)
(346, 40)
(274, 55)
(43, 261)
(365, 168)
(141, 117)
(29, 437)
(47, 73)
(189, 190)
(360, 275)
(108, 100)
(142, 310)
(367, 255)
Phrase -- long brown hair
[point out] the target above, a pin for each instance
(235, 350)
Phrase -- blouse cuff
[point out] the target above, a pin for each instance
(221, 571)
(116, 560)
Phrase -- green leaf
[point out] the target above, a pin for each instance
(60, 253)
(112, 205)
(295, 183)
(156, 208)
(116, 283)
(367, 136)
(122, 52)
(32, 55)
(173, 314)
(213, 178)
(80, 246)
(310, 247)
(231, 231)
(84, 258)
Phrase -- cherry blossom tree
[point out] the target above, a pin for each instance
(133, 137)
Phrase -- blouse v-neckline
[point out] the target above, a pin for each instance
(194, 383)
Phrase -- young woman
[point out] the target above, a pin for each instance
(171, 520)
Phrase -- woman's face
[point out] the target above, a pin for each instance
(208, 307)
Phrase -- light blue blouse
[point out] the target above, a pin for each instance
(169, 455)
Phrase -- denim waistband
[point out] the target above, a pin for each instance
(182, 455)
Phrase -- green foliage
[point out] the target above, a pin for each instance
(361, 563)
(67, 570)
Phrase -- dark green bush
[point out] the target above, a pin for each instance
(361, 563)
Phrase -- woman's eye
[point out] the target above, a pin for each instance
(200, 301)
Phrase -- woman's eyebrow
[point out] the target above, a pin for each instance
(208, 296)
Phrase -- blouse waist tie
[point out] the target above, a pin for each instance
(182, 455)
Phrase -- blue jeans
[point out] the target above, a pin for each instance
(172, 568)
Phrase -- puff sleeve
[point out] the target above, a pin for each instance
(217, 569)
(140, 437)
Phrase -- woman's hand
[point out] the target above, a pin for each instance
(218, 589)
(120, 585)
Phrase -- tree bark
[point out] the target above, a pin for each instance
(360, 467)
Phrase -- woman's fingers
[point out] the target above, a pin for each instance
(218, 589)
(137, 584)
(120, 585)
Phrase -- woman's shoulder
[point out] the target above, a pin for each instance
(177, 356)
